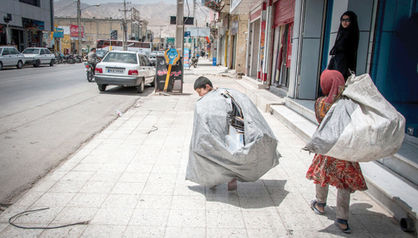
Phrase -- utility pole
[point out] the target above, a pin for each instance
(124, 25)
(79, 27)
(180, 26)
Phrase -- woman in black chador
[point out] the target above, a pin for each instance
(344, 52)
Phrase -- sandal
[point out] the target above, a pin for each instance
(339, 222)
(314, 205)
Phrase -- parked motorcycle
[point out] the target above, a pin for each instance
(89, 71)
(78, 59)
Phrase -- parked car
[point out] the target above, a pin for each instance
(38, 56)
(9, 56)
(124, 68)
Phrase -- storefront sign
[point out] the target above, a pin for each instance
(33, 24)
(58, 33)
(74, 31)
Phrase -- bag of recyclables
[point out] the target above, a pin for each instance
(361, 126)
(230, 140)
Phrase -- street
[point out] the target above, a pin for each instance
(46, 113)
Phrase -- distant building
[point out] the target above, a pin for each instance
(25, 23)
(94, 29)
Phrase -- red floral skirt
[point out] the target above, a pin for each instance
(339, 173)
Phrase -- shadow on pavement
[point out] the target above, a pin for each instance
(261, 194)
(363, 221)
(129, 91)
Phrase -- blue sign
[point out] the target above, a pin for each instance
(59, 33)
(186, 57)
(172, 56)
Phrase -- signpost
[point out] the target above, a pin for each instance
(171, 57)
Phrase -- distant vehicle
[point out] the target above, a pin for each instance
(10, 56)
(124, 68)
(144, 48)
(38, 56)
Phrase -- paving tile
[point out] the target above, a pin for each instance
(226, 233)
(70, 215)
(185, 232)
(43, 185)
(54, 199)
(262, 219)
(154, 201)
(87, 200)
(103, 231)
(133, 177)
(128, 188)
(65, 232)
(112, 216)
(188, 202)
(13, 232)
(144, 231)
(67, 186)
(11, 211)
(149, 217)
(187, 218)
(121, 201)
(3, 226)
(106, 176)
(224, 219)
(43, 217)
(266, 232)
(156, 188)
(78, 175)
(29, 198)
(97, 187)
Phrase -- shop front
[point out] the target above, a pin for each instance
(253, 42)
(282, 43)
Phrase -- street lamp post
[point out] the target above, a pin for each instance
(79, 23)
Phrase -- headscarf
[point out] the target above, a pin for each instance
(331, 82)
(352, 29)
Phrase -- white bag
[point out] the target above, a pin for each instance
(361, 126)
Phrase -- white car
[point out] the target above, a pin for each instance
(124, 68)
(9, 56)
(38, 56)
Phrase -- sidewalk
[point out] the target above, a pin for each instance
(128, 181)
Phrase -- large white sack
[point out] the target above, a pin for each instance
(361, 126)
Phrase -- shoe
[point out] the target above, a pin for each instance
(232, 185)
(314, 204)
(339, 222)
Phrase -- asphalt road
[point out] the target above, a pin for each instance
(46, 113)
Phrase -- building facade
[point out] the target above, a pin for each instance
(95, 29)
(25, 23)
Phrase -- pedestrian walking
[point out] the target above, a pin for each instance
(324, 171)
(344, 52)
(231, 140)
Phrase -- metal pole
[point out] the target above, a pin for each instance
(79, 26)
(125, 36)
(180, 26)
